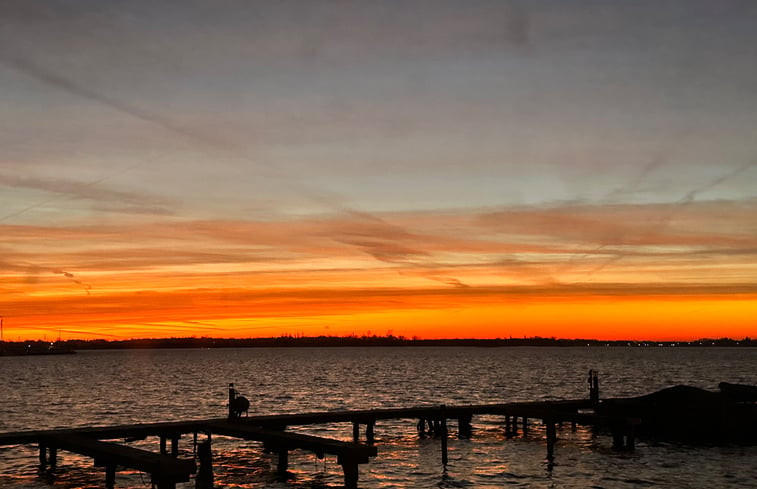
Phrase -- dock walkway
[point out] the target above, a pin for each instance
(166, 470)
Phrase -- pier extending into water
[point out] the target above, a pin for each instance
(167, 469)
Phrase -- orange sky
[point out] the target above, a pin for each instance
(436, 169)
(432, 275)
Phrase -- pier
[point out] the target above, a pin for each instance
(167, 469)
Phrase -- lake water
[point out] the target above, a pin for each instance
(112, 387)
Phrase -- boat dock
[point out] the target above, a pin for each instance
(167, 469)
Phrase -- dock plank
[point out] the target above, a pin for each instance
(537, 409)
(284, 440)
(164, 467)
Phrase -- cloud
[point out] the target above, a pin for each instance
(536, 249)
(105, 198)
(85, 91)
(170, 306)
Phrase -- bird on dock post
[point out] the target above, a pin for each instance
(237, 404)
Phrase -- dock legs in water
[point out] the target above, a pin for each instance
(438, 429)
(623, 437)
(174, 445)
(48, 455)
(370, 436)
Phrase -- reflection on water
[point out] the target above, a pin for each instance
(110, 387)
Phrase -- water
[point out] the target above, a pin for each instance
(111, 387)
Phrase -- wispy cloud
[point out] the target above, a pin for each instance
(101, 196)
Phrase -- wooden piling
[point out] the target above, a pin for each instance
(443, 434)
(351, 475)
(163, 444)
(464, 428)
(161, 484)
(617, 437)
(110, 476)
(369, 431)
(421, 428)
(525, 426)
(283, 462)
(551, 437)
(42, 455)
(355, 431)
(204, 477)
(630, 439)
(53, 458)
(175, 446)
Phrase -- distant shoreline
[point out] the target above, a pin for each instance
(67, 346)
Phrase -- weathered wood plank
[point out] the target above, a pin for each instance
(163, 467)
(276, 440)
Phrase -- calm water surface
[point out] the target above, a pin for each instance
(111, 387)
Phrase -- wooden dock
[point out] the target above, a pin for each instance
(167, 469)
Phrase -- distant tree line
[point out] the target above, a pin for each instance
(20, 347)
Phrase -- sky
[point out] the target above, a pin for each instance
(436, 168)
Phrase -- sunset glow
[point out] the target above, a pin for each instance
(510, 169)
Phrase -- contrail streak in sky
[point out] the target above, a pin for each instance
(45, 76)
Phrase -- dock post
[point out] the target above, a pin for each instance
(355, 431)
(617, 436)
(525, 426)
(573, 425)
(175, 446)
(464, 429)
(194, 443)
(283, 462)
(444, 442)
(551, 438)
(630, 440)
(507, 426)
(162, 484)
(53, 459)
(515, 426)
(163, 445)
(369, 431)
(350, 475)
(204, 477)
(42, 455)
(110, 476)
(421, 427)
(443, 433)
